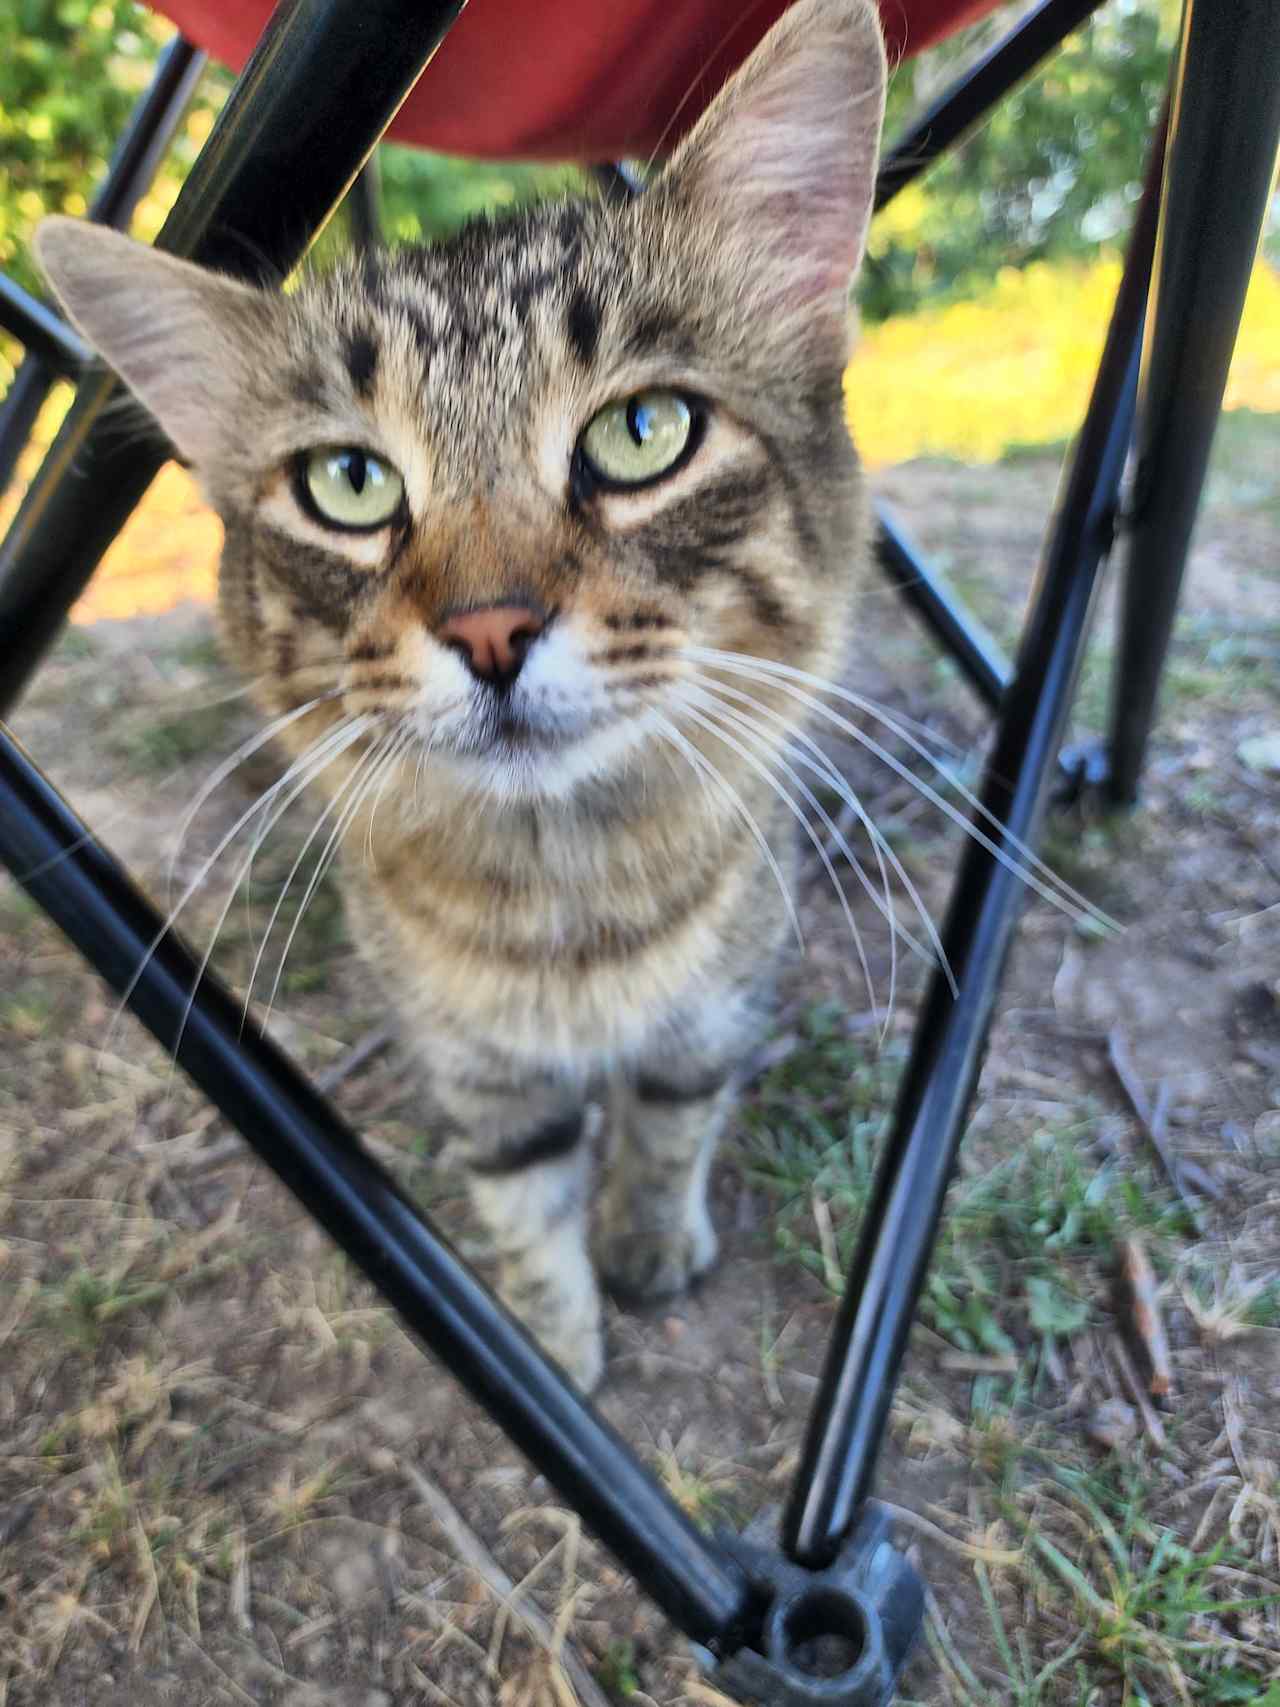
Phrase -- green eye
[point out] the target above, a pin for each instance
(638, 439)
(351, 488)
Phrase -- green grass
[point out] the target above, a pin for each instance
(616, 1673)
(1127, 1613)
(18, 912)
(85, 1302)
(200, 653)
(1020, 1239)
(1160, 1616)
(1213, 660)
(84, 1305)
(152, 745)
(1035, 450)
(75, 645)
(28, 1013)
(1244, 470)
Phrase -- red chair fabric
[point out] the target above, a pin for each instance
(569, 80)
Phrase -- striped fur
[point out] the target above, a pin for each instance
(566, 903)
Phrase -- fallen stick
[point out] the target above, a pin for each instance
(1188, 1180)
(1139, 1311)
(1130, 1379)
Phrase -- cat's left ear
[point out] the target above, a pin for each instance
(782, 165)
(182, 339)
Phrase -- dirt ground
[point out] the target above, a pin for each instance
(226, 1475)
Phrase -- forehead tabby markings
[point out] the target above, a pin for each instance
(481, 287)
(360, 353)
(306, 386)
(583, 326)
(660, 330)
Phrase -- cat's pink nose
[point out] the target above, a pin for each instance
(494, 640)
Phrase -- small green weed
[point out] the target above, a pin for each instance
(18, 912)
(1213, 659)
(75, 645)
(200, 653)
(617, 1673)
(27, 1015)
(1159, 1615)
(701, 1488)
(86, 1302)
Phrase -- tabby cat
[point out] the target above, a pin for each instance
(509, 524)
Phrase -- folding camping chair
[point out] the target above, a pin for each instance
(323, 83)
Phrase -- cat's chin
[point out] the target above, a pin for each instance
(519, 765)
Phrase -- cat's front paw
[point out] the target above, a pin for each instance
(656, 1263)
(565, 1321)
(579, 1354)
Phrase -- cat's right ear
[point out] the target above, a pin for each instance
(781, 167)
(181, 338)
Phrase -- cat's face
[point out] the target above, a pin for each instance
(496, 492)
(504, 485)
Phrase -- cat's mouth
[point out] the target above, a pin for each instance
(510, 727)
(530, 748)
(510, 731)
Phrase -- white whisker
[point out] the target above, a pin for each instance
(388, 771)
(701, 765)
(1049, 886)
(761, 769)
(334, 804)
(245, 751)
(387, 750)
(304, 762)
(318, 761)
(882, 900)
(822, 766)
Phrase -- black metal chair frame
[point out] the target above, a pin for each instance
(1158, 391)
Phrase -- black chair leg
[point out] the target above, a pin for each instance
(901, 1220)
(957, 631)
(1225, 128)
(22, 404)
(364, 207)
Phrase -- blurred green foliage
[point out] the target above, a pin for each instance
(426, 196)
(1052, 174)
(70, 72)
(67, 87)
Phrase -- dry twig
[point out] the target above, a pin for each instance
(1188, 1179)
(1132, 1382)
(1138, 1308)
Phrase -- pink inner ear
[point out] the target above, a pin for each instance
(789, 161)
(808, 214)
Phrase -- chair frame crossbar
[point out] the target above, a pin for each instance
(1158, 390)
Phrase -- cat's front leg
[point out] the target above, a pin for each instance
(653, 1229)
(653, 1233)
(528, 1167)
